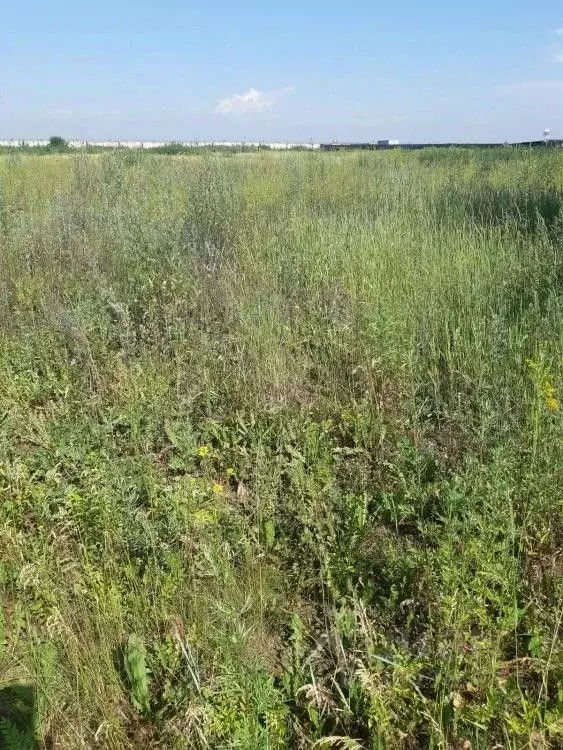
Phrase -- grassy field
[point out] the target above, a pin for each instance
(281, 458)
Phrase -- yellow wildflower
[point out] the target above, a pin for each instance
(203, 450)
(550, 396)
(548, 389)
(552, 403)
(217, 488)
(545, 389)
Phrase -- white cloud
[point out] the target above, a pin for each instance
(252, 102)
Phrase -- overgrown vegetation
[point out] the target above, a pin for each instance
(280, 449)
(58, 145)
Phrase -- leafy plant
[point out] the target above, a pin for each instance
(134, 661)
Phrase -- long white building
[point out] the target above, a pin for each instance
(75, 143)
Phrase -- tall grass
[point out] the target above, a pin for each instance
(281, 449)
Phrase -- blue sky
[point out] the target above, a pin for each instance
(292, 71)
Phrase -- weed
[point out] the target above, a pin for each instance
(280, 448)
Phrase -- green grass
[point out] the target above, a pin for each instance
(281, 449)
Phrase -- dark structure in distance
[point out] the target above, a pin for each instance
(555, 143)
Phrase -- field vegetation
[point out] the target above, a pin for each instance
(281, 450)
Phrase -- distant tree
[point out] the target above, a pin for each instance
(57, 143)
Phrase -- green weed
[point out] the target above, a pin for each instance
(280, 449)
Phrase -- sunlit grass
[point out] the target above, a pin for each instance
(281, 448)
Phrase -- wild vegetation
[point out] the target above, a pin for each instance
(281, 450)
(58, 145)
